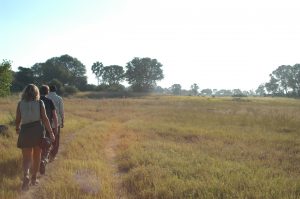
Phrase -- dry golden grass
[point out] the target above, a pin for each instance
(166, 147)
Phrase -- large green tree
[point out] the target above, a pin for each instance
(237, 92)
(206, 91)
(38, 73)
(142, 73)
(113, 74)
(295, 81)
(272, 86)
(66, 69)
(285, 80)
(260, 90)
(176, 89)
(97, 69)
(5, 78)
(22, 77)
(53, 69)
(194, 89)
(283, 76)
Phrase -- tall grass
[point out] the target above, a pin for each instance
(10, 157)
(167, 147)
(214, 148)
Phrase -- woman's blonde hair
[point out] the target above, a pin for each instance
(31, 93)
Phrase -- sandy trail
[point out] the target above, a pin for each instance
(32, 192)
(110, 152)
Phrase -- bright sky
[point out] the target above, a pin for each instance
(214, 43)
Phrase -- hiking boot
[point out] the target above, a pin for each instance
(34, 181)
(42, 167)
(25, 185)
(51, 158)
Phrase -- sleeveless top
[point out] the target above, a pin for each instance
(30, 111)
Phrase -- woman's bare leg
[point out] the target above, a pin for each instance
(36, 162)
(27, 159)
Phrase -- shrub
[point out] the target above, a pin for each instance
(70, 90)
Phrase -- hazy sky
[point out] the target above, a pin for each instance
(214, 43)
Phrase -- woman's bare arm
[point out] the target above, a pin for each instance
(18, 119)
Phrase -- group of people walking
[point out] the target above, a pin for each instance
(39, 117)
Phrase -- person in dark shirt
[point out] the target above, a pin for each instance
(59, 106)
(52, 116)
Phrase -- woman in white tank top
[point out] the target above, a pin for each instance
(29, 111)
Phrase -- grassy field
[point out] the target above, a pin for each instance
(165, 147)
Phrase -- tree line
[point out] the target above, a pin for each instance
(284, 81)
(69, 75)
(195, 90)
(141, 74)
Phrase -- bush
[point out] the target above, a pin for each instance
(239, 95)
(70, 90)
(5, 78)
(90, 87)
(116, 87)
(101, 87)
(58, 85)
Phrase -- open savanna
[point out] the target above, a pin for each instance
(165, 147)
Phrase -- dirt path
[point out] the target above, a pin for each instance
(110, 152)
(31, 193)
